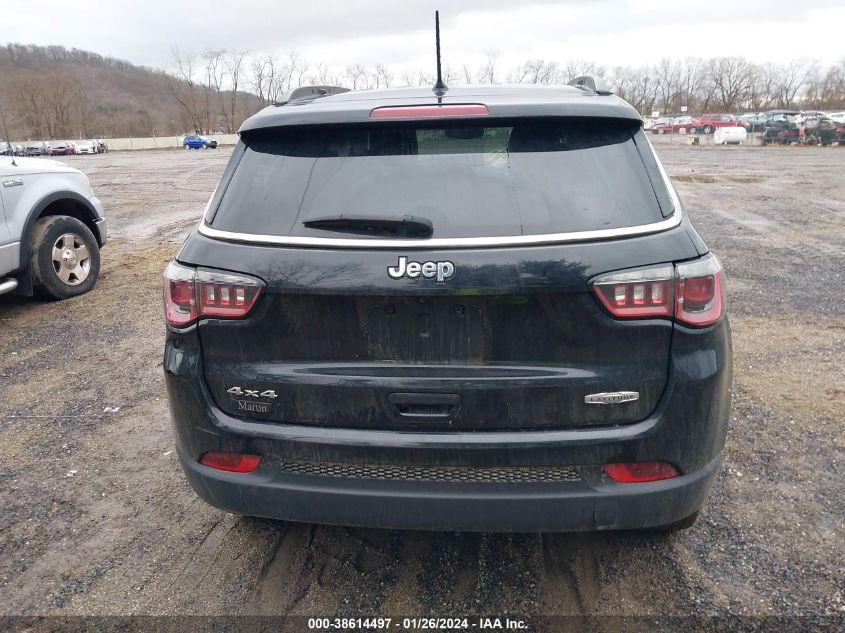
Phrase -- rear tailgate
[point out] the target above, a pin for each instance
(513, 341)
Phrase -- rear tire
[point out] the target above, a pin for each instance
(65, 257)
(707, 129)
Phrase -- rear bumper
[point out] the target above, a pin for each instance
(590, 504)
(686, 429)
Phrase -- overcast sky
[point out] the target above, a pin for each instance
(400, 34)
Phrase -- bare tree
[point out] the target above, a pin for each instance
(213, 87)
(732, 78)
(487, 72)
(233, 63)
(409, 77)
(357, 75)
(466, 71)
(183, 87)
(382, 76)
(536, 71)
(261, 71)
(790, 79)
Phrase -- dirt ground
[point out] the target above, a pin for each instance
(96, 517)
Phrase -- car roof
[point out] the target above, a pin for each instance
(501, 101)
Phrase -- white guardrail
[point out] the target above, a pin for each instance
(162, 142)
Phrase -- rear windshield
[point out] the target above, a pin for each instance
(468, 179)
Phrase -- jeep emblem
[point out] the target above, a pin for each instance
(441, 271)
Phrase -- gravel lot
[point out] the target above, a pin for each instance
(97, 518)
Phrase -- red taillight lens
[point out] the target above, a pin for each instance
(638, 472)
(693, 293)
(700, 292)
(180, 308)
(637, 294)
(233, 462)
(191, 294)
(428, 111)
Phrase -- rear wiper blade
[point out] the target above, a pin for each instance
(383, 226)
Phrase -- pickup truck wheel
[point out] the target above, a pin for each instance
(65, 257)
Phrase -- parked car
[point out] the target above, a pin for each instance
(394, 330)
(60, 148)
(753, 122)
(822, 130)
(196, 141)
(659, 122)
(707, 123)
(51, 229)
(838, 117)
(86, 147)
(37, 148)
(675, 126)
(780, 126)
(102, 146)
(6, 149)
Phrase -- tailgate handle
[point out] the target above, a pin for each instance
(424, 406)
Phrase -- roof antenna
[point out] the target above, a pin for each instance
(8, 141)
(440, 86)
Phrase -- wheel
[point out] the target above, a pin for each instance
(677, 526)
(661, 131)
(187, 146)
(65, 257)
(692, 130)
(707, 129)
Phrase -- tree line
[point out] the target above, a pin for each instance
(52, 92)
(724, 84)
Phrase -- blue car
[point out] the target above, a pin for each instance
(195, 141)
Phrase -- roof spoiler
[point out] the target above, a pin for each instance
(588, 83)
(309, 93)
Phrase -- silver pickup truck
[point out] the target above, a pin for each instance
(51, 229)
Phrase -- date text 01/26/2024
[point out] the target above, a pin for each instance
(416, 624)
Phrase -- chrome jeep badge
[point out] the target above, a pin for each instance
(439, 271)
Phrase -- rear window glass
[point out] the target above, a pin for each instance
(468, 179)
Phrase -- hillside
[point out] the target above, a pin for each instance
(52, 92)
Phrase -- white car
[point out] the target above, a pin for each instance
(85, 147)
(838, 117)
(51, 229)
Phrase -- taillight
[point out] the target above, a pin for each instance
(180, 306)
(191, 294)
(700, 292)
(637, 293)
(233, 462)
(692, 293)
(428, 111)
(639, 472)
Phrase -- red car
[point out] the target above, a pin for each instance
(708, 123)
(677, 124)
(60, 148)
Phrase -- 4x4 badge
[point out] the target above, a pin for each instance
(440, 271)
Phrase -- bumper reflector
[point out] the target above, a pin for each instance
(233, 462)
(638, 472)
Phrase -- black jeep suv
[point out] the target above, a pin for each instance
(481, 311)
